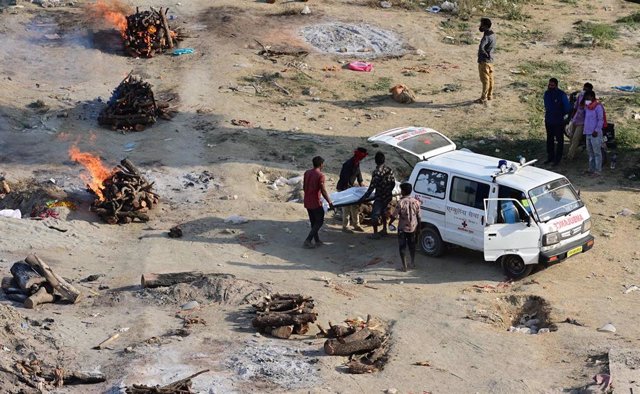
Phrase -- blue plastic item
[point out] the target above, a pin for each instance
(183, 51)
(627, 88)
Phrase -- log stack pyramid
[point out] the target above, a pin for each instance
(127, 196)
(282, 315)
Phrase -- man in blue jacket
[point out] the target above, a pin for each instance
(556, 107)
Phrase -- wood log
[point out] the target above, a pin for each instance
(165, 26)
(378, 355)
(281, 319)
(336, 331)
(26, 277)
(356, 336)
(358, 367)
(79, 377)
(126, 163)
(334, 348)
(143, 217)
(13, 290)
(126, 120)
(107, 341)
(283, 332)
(42, 296)
(9, 282)
(152, 280)
(16, 297)
(63, 287)
(301, 329)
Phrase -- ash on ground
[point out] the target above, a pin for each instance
(353, 40)
(286, 366)
(220, 288)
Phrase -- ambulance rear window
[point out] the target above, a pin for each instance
(423, 143)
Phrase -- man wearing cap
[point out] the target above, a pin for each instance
(349, 174)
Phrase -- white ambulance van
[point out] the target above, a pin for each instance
(515, 213)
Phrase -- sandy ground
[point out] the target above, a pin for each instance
(437, 314)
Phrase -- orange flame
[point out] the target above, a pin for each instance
(112, 11)
(97, 171)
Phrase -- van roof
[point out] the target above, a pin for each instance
(483, 167)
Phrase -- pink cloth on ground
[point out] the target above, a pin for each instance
(360, 66)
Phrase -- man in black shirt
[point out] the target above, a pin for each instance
(349, 174)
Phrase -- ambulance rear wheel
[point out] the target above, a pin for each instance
(431, 242)
(515, 268)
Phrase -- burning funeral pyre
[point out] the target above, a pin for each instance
(123, 194)
(144, 33)
(148, 32)
(132, 106)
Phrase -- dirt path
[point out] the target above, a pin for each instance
(436, 312)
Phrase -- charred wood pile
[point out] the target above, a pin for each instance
(33, 283)
(126, 196)
(182, 386)
(132, 106)
(148, 33)
(282, 315)
(365, 343)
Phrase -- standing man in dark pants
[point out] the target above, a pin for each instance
(313, 186)
(349, 174)
(408, 214)
(556, 107)
(383, 182)
(485, 60)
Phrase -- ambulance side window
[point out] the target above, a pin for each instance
(469, 193)
(507, 192)
(431, 183)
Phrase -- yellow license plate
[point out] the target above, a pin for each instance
(574, 251)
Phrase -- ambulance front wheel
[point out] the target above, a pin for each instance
(514, 267)
(431, 242)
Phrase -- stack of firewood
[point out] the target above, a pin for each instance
(365, 342)
(127, 195)
(132, 106)
(281, 315)
(34, 283)
(148, 32)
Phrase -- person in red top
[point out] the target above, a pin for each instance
(313, 186)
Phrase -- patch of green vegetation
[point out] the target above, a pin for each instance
(600, 31)
(528, 35)
(511, 143)
(572, 2)
(627, 137)
(533, 80)
(514, 13)
(544, 69)
(632, 20)
(590, 34)
(459, 30)
(383, 83)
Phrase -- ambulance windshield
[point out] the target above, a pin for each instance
(554, 199)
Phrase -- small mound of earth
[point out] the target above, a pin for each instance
(221, 288)
(286, 366)
(517, 313)
(353, 40)
(30, 196)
